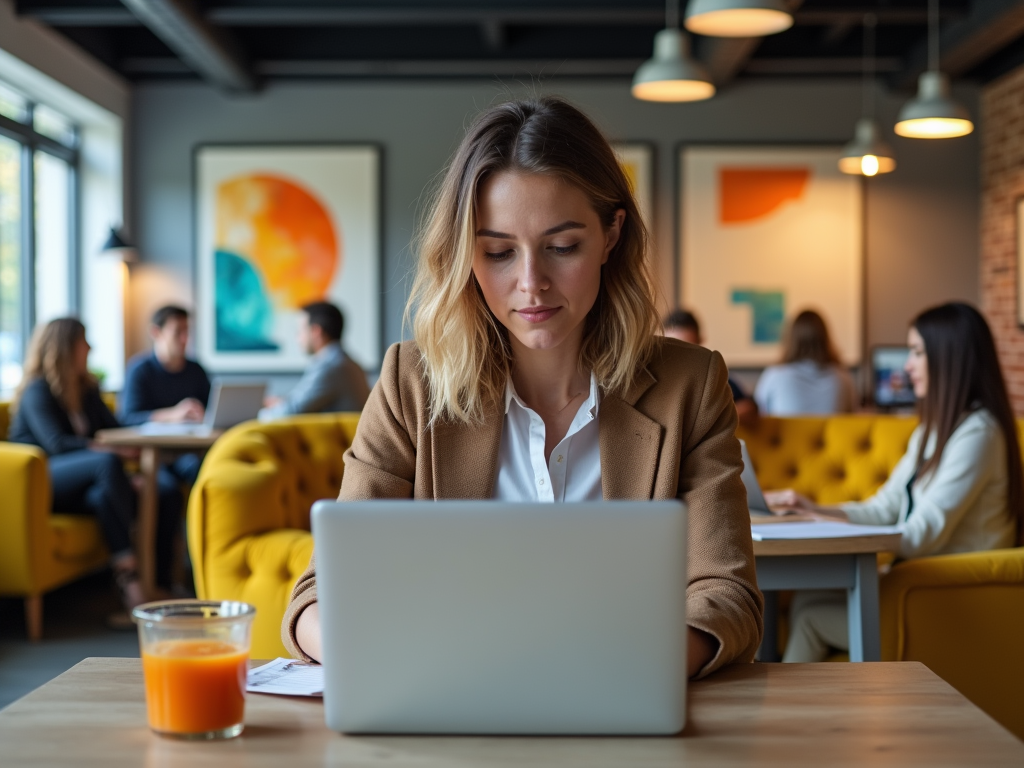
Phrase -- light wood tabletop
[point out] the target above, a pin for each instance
(150, 447)
(846, 545)
(895, 714)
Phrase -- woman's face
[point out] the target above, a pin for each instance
(539, 250)
(917, 363)
(82, 356)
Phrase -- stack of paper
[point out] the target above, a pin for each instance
(819, 530)
(287, 677)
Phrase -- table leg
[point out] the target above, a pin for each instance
(862, 610)
(769, 650)
(145, 536)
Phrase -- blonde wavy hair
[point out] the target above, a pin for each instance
(51, 357)
(466, 353)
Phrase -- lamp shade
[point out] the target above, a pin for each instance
(737, 18)
(933, 114)
(867, 154)
(116, 245)
(671, 75)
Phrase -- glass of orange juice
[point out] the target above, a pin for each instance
(195, 658)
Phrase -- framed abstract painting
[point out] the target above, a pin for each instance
(768, 231)
(279, 227)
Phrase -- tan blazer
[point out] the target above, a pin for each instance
(670, 436)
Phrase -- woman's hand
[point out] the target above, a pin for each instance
(307, 631)
(700, 649)
(785, 501)
(788, 501)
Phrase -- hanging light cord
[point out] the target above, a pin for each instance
(672, 14)
(870, 20)
(933, 35)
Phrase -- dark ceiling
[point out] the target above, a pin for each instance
(238, 44)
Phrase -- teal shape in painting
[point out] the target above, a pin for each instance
(768, 310)
(245, 315)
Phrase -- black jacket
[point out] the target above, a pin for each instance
(41, 420)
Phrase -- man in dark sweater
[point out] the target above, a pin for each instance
(165, 386)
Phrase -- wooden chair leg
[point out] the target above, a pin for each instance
(34, 617)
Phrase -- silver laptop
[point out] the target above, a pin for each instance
(755, 496)
(229, 404)
(484, 617)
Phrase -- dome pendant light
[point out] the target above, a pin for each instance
(933, 114)
(738, 18)
(672, 75)
(868, 154)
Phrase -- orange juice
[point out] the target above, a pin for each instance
(194, 686)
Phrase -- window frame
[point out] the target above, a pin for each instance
(31, 141)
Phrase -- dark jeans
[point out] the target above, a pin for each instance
(94, 483)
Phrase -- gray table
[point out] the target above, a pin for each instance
(849, 563)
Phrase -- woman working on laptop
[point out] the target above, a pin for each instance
(958, 488)
(537, 373)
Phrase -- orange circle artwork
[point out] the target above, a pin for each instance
(284, 232)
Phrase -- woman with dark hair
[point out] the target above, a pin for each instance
(58, 408)
(811, 378)
(537, 374)
(958, 488)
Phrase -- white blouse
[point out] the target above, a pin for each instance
(574, 470)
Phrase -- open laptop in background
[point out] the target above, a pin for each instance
(230, 404)
(756, 501)
(487, 617)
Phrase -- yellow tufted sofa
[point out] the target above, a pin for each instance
(961, 615)
(39, 550)
(248, 514)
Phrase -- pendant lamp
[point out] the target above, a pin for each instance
(933, 114)
(672, 75)
(868, 154)
(738, 18)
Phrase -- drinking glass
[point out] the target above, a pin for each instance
(195, 658)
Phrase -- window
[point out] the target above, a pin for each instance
(38, 180)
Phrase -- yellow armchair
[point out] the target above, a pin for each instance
(39, 550)
(963, 617)
(248, 514)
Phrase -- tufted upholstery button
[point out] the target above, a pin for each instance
(301, 485)
(792, 471)
(775, 442)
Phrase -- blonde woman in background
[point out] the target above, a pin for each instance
(58, 408)
(811, 379)
(537, 373)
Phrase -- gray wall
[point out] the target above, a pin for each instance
(922, 220)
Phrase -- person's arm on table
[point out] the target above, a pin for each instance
(380, 464)
(723, 604)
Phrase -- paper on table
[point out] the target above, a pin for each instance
(287, 677)
(819, 530)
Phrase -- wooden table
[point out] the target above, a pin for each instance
(150, 448)
(896, 714)
(847, 563)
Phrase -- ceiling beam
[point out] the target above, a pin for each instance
(989, 27)
(207, 51)
(76, 15)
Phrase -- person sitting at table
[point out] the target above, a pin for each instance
(537, 349)
(683, 325)
(58, 408)
(333, 381)
(810, 379)
(958, 487)
(166, 386)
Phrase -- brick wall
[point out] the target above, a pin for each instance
(1002, 184)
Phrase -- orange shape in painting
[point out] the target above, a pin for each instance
(283, 231)
(747, 194)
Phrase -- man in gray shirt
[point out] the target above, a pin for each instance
(333, 381)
